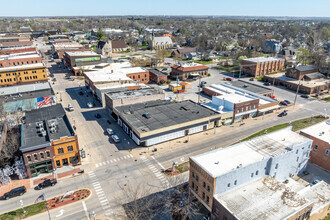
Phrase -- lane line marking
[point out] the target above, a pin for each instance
(85, 209)
(158, 162)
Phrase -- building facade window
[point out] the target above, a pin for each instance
(326, 152)
(204, 185)
(208, 188)
(70, 148)
(42, 156)
(257, 172)
(60, 150)
(35, 156)
(47, 154)
(28, 158)
(197, 189)
(252, 175)
(193, 174)
(276, 166)
(203, 196)
(207, 199)
(315, 147)
(235, 182)
(197, 178)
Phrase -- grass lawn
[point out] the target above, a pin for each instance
(296, 126)
(183, 167)
(326, 99)
(30, 210)
(203, 62)
(143, 47)
(123, 58)
(125, 51)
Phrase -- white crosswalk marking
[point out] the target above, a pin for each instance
(99, 192)
(113, 160)
(159, 176)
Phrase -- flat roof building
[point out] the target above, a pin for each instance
(281, 154)
(158, 121)
(81, 58)
(320, 134)
(125, 96)
(19, 59)
(252, 87)
(260, 66)
(23, 74)
(48, 141)
(189, 70)
(27, 97)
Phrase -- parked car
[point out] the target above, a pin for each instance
(283, 103)
(110, 131)
(251, 79)
(19, 191)
(229, 79)
(109, 122)
(47, 183)
(314, 182)
(267, 84)
(287, 102)
(81, 93)
(115, 138)
(203, 83)
(304, 96)
(284, 113)
(70, 107)
(90, 105)
(98, 115)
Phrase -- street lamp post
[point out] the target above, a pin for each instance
(22, 205)
(295, 98)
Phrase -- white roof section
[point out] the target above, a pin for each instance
(19, 56)
(26, 66)
(162, 40)
(105, 75)
(24, 88)
(63, 46)
(130, 70)
(266, 199)
(320, 131)
(81, 53)
(263, 59)
(224, 160)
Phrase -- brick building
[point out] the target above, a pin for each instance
(81, 58)
(320, 134)
(48, 141)
(16, 44)
(23, 74)
(301, 72)
(280, 154)
(7, 51)
(157, 76)
(261, 66)
(189, 70)
(137, 74)
(19, 59)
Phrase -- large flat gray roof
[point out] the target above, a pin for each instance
(158, 114)
(32, 139)
(250, 86)
(126, 93)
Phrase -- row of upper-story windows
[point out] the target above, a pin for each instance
(60, 150)
(195, 188)
(196, 177)
(38, 156)
(246, 108)
(326, 151)
(19, 73)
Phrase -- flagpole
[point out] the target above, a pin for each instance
(47, 206)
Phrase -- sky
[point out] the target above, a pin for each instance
(294, 8)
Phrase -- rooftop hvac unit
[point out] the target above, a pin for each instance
(40, 129)
(52, 124)
(43, 133)
(52, 130)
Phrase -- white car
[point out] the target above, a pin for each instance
(110, 131)
(90, 105)
(115, 138)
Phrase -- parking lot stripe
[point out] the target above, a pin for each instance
(111, 161)
(131, 155)
(125, 157)
(108, 162)
(104, 163)
(103, 201)
(96, 165)
(115, 160)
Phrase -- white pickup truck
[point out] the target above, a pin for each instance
(70, 107)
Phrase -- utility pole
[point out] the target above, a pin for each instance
(295, 98)
(199, 87)
(240, 71)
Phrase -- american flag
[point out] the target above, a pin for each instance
(40, 198)
(45, 101)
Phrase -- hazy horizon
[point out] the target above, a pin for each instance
(236, 8)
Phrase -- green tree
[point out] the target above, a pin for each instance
(100, 34)
(303, 55)
(325, 34)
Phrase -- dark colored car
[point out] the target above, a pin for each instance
(283, 114)
(304, 96)
(287, 102)
(283, 103)
(251, 79)
(81, 93)
(15, 192)
(267, 84)
(98, 116)
(47, 183)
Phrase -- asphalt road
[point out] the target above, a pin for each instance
(111, 169)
